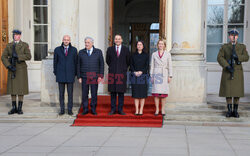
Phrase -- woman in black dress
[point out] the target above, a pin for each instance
(139, 76)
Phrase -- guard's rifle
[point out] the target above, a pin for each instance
(13, 60)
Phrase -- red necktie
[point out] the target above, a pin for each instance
(66, 51)
(117, 51)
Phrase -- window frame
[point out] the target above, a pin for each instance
(225, 25)
(32, 24)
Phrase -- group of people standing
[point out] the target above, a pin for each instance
(88, 66)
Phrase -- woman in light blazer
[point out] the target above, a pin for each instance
(161, 75)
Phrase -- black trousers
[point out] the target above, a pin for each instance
(85, 94)
(120, 101)
(70, 95)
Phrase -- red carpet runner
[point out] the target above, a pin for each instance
(148, 119)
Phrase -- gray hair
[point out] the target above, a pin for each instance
(89, 38)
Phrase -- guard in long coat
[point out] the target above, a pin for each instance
(230, 57)
(118, 60)
(14, 56)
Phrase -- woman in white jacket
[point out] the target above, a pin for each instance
(161, 75)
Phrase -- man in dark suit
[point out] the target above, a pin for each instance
(65, 63)
(118, 60)
(90, 70)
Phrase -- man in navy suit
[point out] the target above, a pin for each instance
(65, 65)
(90, 70)
(118, 60)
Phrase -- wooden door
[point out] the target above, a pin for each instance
(111, 21)
(162, 19)
(3, 42)
(140, 32)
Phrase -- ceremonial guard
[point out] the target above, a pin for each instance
(14, 56)
(230, 57)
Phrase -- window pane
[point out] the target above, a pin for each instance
(40, 2)
(40, 15)
(41, 33)
(155, 26)
(236, 14)
(214, 34)
(240, 28)
(154, 37)
(212, 52)
(236, 2)
(213, 2)
(40, 51)
(215, 14)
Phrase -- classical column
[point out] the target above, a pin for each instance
(64, 20)
(189, 78)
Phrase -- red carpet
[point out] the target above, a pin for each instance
(148, 119)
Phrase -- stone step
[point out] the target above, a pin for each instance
(37, 117)
(204, 112)
(212, 112)
(39, 110)
(204, 118)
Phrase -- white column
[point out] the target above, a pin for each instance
(92, 21)
(189, 77)
(64, 20)
(187, 24)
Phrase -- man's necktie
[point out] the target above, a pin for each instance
(88, 52)
(66, 51)
(117, 51)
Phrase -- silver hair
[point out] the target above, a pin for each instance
(89, 38)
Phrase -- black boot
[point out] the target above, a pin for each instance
(19, 109)
(235, 112)
(229, 112)
(13, 110)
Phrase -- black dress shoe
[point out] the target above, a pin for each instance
(62, 112)
(70, 112)
(94, 112)
(163, 114)
(121, 113)
(112, 113)
(85, 112)
(156, 114)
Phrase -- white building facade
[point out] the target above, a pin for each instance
(194, 31)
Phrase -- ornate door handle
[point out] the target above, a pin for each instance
(4, 36)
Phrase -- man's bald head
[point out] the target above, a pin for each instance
(66, 40)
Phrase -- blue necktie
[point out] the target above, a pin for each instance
(88, 52)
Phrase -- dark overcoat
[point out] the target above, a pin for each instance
(118, 66)
(19, 85)
(235, 87)
(65, 66)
